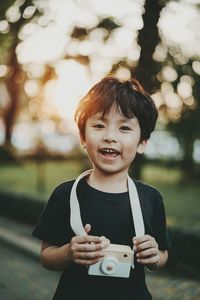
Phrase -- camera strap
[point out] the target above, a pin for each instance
(75, 216)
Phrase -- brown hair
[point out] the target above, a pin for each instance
(128, 95)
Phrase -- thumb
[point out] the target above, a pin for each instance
(87, 228)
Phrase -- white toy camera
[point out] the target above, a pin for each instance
(116, 262)
(118, 259)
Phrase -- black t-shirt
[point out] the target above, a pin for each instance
(109, 215)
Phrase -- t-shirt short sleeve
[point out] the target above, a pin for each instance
(53, 224)
(159, 225)
(154, 214)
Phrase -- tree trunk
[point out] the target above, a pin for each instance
(147, 68)
(148, 39)
(188, 164)
(13, 82)
(13, 87)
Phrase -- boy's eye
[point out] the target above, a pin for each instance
(125, 128)
(98, 126)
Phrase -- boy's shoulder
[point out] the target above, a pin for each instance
(63, 188)
(147, 189)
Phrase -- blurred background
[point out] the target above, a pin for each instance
(51, 53)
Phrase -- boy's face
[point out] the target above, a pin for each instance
(112, 141)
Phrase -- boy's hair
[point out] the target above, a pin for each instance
(128, 96)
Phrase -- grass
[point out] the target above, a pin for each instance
(181, 199)
(38, 180)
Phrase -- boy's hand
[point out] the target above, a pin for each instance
(147, 251)
(87, 250)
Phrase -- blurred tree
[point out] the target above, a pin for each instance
(185, 123)
(182, 121)
(147, 68)
(14, 14)
(148, 38)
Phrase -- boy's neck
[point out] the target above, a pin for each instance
(109, 183)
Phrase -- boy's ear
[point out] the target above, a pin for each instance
(82, 141)
(141, 147)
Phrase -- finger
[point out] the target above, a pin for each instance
(105, 242)
(148, 261)
(86, 262)
(146, 245)
(142, 239)
(89, 255)
(147, 253)
(89, 247)
(87, 228)
(86, 239)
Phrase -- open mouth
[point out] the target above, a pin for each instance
(109, 152)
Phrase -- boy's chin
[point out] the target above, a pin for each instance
(111, 170)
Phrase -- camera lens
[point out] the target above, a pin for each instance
(109, 265)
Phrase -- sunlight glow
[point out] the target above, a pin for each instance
(196, 67)
(179, 24)
(166, 88)
(98, 34)
(160, 53)
(29, 11)
(47, 40)
(100, 65)
(74, 81)
(50, 42)
(13, 14)
(3, 70)
(34, 70)
(124, 37)
(184, 90)
(31, 87)
(33, 107)
(158, 99)
(119, 9)
(68, 13)
(4, 26)
(188, 79)
(54, 39)
(123, 73)
(169, 74)
(173, 100)
(48, 127)
(189, 101)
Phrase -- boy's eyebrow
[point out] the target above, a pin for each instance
(121, 120)
(102, 117)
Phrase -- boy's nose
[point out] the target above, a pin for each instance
(110, 137)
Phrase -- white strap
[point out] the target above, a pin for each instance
(136, 208)
(75, 216)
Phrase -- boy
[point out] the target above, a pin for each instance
(115, 120)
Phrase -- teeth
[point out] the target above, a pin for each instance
(109, 151)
